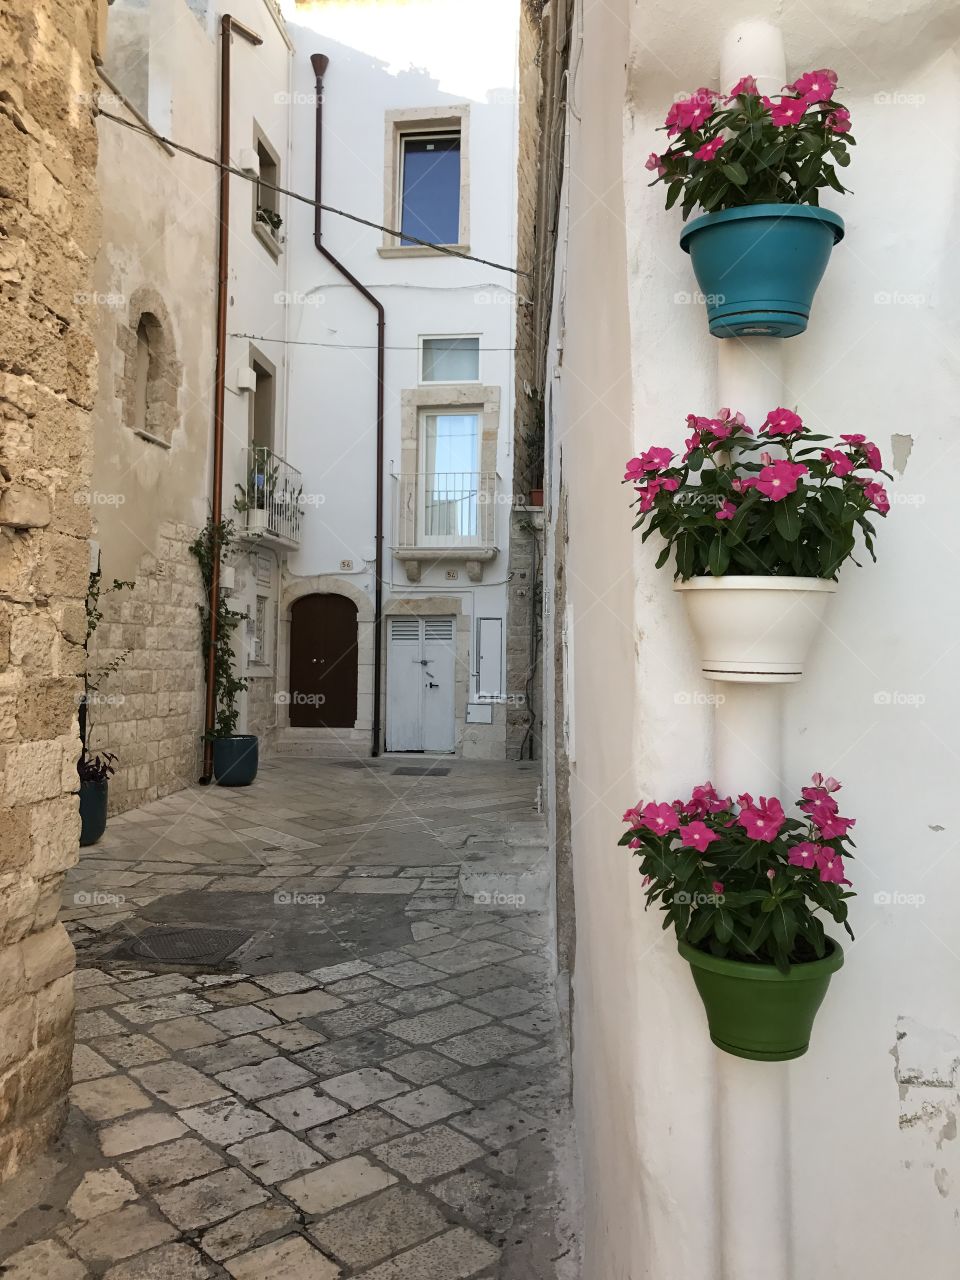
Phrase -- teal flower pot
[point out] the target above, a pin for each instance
(236, 759)
(93, 811)
(754, 1010)
(759, 266)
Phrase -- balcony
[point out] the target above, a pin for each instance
(446, 515)
(270, 502)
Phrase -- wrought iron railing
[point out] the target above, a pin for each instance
(446, 509)
(270, 501)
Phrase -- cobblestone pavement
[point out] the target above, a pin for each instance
(364, 1077)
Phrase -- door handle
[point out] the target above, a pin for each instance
(432, 685)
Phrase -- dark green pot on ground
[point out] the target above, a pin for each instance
(236, 759)
(93, 811)
(754, 1010)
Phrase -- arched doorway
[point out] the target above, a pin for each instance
(323, 662)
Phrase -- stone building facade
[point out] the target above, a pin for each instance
(48, 208)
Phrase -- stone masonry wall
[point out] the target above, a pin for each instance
(48, 216)
(524, 676)
(149, 712)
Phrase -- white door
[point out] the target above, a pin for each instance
(420, 684)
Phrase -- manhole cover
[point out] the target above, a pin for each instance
(182, 946)
(420, 771)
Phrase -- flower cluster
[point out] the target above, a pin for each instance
(729, 505)
(740, 877)
(745, 147)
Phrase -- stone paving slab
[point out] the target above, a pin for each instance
(390, 1114)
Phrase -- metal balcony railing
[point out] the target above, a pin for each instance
(446, 509)
(270, 502)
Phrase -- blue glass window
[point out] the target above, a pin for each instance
(430, 188)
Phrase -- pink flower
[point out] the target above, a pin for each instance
(727, 511)
(645, 881)
(709, 149)
(655, 459)
(705, 800)
(782, 422)
(736, 419)
(867, 447)
(842, 465)
(780, 479)
(815, 86)
(660, 818)
(839, 122)
(697, 835)
(632, 816)
(876, 495)
(787, 111)
(717, 886)
(655, 164)
(831, 867)
(690, 112)
(743, 483)
(746, 84)
(828, 784)
(833, 827)
(766, 458)
(804, 855)
(771, 873)
(763, 820)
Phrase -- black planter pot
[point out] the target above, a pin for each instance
(93, 811)
(235, 760)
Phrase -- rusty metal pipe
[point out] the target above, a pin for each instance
(320, 62)
(228, 25)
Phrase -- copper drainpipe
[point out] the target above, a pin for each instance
(227, 27)
(320, 62)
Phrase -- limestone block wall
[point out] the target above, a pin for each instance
(149, 712)
(524, 698)
(48, 210)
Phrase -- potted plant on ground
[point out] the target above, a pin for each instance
(746, 888)
(758, 540)
(756, 166)
(235, 755)
(95, 768)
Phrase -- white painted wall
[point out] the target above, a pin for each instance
(873, 1161)
(384, 56)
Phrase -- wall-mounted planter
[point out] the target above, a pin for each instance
(755, 630)
(236, 760)
(759, 266)
(754, 1010)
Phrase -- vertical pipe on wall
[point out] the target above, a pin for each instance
(228, 25)
(320, 62)
(748, 754)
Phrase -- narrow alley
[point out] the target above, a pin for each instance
(317, 1036)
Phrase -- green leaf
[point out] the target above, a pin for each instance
(735, 172)
(719, 556)
(786, 518)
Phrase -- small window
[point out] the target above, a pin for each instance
(429, 188)
(450, 360)
(260, 630)
(266, 214)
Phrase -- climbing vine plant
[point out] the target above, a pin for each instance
(214, 540)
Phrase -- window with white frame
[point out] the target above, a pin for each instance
(450, 359)
(266, 199)
(449, 500)
(428, 195)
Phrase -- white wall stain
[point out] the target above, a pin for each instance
(901, 447)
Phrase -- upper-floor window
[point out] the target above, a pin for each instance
(449, 359)
(266, 199)
(430, 187)
(427, 180)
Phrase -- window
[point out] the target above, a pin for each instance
(426, 180)
(259, 653)
(266, 199)
(430, 187)
(150, 381)
(449, 481)
(450, 360)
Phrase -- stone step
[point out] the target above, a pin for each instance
(323, 744)
(513, 873)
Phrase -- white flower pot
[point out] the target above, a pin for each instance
(257, 520)
(755, 630)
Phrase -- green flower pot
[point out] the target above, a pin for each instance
(754, 1010)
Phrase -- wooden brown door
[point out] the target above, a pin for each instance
(323, 662)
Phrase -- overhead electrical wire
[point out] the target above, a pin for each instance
(309, 200)
(341, 346)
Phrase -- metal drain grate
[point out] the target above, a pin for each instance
(421, 771)
(182, 946)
